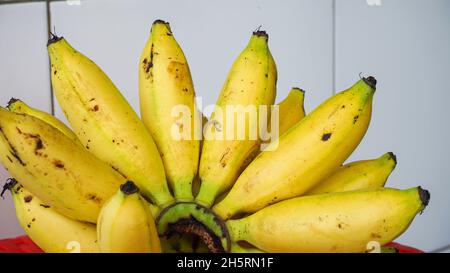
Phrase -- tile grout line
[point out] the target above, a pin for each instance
(333, 46)
(49, 30)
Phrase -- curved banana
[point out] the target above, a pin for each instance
(250, 84)
(166, 91)
(125, 223)
(20, 107)
(104, 121)
(338, 222)
(306, 154)
(54, 168)
(358, 175)
(290, 110)
(51, 231)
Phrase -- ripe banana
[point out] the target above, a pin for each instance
(54, 168)
(337, 222)
(51, 231)
(20, 107)
(358, 175)
(290, 110)
(104, 121)
(306, 154)
(126, 225)
(250, 83)
(165, 83)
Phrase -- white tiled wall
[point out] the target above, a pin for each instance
(403, 43)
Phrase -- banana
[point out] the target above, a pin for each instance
(54, 168)
(104, 121)
(306, 154)
(20, 107)
(126, 225)
(291, 110)
(337, 222)
(250, 83)
(51, 231)
(358, 175)
(165, 83)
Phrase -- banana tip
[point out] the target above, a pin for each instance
(53, 39)
(129, 188)
(298, 89)
(10, 183)
(371, 81)
(261, 33)
(159, 21)
(424, 196)
(393, 157)
(11, 101)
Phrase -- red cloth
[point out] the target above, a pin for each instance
(23, 244)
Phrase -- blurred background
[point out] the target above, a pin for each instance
(319, 45)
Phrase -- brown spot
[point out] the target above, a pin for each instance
(339, 226)
(355, 119)
(34, 219)
(223, 161)
(95, 108)
(94, 197)
(343, 106)
(375, 235)
(92, 99)
(27, 198)
(58, 164)
(185, 89)
(44, 206)
(54, 72)
(144, 61)
(266, 75)
(326, 136)
(9, 158)
(29, 225)
(169, 34)
(39, 146)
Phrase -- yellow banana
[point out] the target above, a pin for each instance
(125, 223)
(104, 121)
(306, 154)
(290, 110)
(250, 83)
(358, 175)
(51, 231)
(54, 168)
(165, 83)
(20, 107)
(337, 222)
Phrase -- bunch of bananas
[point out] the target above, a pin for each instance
(114, 182)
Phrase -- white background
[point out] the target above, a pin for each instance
(318, 45)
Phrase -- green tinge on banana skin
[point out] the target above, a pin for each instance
(194, 217)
